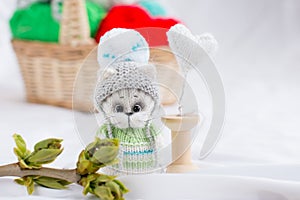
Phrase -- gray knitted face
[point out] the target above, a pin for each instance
(128, 108)
(126, 94)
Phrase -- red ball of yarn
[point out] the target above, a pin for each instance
(135, 17)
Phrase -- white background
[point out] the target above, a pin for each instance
(258, 59)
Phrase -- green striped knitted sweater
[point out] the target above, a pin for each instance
(137, 150)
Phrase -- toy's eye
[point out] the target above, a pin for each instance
(137, 108)
(119, 108)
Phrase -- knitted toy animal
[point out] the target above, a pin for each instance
(127, 96)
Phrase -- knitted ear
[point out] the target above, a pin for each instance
(148, 70)
(208, 42)
(106, 73)
(122, 45)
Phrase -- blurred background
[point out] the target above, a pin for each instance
(258, 60)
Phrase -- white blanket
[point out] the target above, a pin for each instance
(258, 154)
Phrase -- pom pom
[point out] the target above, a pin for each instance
(121, 44)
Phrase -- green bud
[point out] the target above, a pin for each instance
(20, 181)
(51, 143)
(114, 188)
(86, 185)
(43, 156)
(45, 151)
(105, 155)
(24, 165)
(103, 186)
(28, 182)
(53, 183)
(103, 193)
(85, 166)
(21, 145)
(123, 188)
(102, 178)
(20, 151)
(96, 155)
(86, 181)
(103, 151)
(30, 185)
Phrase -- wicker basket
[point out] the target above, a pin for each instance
(49, 69)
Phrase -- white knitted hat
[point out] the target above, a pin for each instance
(127, 75)
(123, 55)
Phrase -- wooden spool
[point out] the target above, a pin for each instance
(180, 127)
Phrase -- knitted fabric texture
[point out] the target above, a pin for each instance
(127, 76)
(137, 151)
(183, 42)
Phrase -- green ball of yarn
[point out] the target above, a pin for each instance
(153, 7)
(36, 22)
(95, 13)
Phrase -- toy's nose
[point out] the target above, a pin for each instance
(130, 113)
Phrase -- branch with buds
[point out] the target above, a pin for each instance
(96, 155)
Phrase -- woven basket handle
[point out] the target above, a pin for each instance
(74, 25)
